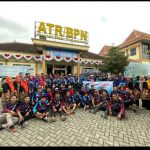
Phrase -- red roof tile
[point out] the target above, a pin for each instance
(135, 35)
(104, 50)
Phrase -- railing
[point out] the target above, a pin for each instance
(145, 56)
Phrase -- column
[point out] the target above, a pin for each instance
(44, 62)
(36, 67)
(53, 69)
(140, 51)
(6, 62)
(78, 65)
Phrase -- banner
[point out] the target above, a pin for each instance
(13, 71)
(108, 85)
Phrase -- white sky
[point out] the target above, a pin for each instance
(106, 22)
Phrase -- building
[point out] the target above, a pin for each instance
(137, 47)
(104, 50)
(18, 57)
(55, 49)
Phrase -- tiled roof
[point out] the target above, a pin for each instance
(134, 36)
(29, 48)
(104, 50)
(17, 47)
(90, 55)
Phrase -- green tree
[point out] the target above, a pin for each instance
(115, 61)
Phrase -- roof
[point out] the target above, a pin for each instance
(135, 36)
(104, 50)
(29, 48)
(17, 47)
(90, 55)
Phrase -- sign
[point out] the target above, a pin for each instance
(59, 33)
(13, 71)
(108, 85)
(61, 53)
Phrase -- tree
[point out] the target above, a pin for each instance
(115, 61)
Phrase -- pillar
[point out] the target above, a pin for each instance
(44, 62)
(78, 65)
(140, 51)
(6, 62)
(36, 67)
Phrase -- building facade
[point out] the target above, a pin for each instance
(55, 49)
(21, 57)
(137, 47)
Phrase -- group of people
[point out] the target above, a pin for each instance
(40, 96)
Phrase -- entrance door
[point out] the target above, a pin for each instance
(69, 70)
(49, 69)
(59, 71)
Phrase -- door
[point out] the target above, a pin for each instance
(49, 69)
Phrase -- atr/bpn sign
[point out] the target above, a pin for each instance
(58, 32)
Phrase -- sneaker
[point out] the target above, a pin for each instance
(20, 123)
(24, 124)
(45, 119)
(1, 128)
(104, 116)
(63, 118)
(93, 112)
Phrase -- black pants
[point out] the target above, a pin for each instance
(53, 114)
(146, 104)
(130, 103)
(101, 107)
(89, 103)
(137, 102)
(29, 116)
(115, 112)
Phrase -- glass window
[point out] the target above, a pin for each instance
(21, 65)
(59, 66)
(133, 52)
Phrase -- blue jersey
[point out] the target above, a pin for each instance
(77, 98)
(86, 100)
(40, 106)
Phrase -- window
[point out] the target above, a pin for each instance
(59, 66)
(145, 48)
(133, 52)
(21, 65)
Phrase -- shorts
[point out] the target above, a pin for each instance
(42, 111)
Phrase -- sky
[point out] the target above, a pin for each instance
(108, 23)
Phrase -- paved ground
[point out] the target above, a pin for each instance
(83, 129)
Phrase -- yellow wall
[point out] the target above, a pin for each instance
(32, 62)
(39, 68)
(145, 62)
(127, 51)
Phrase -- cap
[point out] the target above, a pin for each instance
(43, 95)
(56, 89)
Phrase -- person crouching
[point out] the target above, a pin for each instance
(57, 107)
(24, 111)
(41, 108)
(115, 107)
(69, 104)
